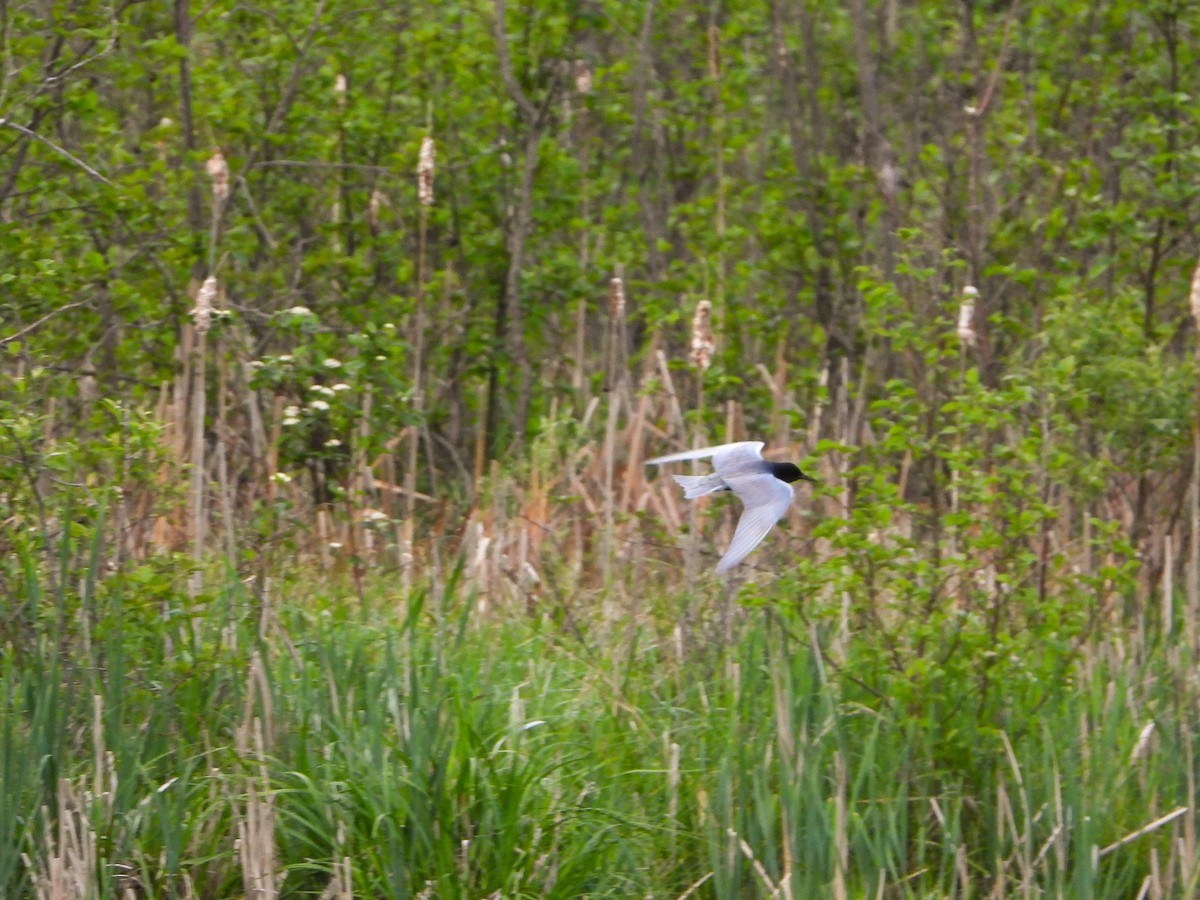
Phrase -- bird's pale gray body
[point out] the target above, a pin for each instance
(740, 468)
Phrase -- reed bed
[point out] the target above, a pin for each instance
(396, 746)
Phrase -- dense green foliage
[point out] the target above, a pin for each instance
(1042, 153)
(288, 584)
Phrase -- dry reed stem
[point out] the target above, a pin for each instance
(633, 471)
(673, 783)
(757, 866)
(613, 374)
(222, 461)
(1188, 859)
(69, 867)
(841, 837)
(202, 316)
(672, 397)
(1144, 830)
(695, 886)
(425, 167)
(819, 403)
(341, 886)
(256, 827)
(579, 373)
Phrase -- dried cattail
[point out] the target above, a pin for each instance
(966, 316)
(889, 180)
(583, 77)
(616, 297)
(203, 311)
(1195, 295)
(376, 203)
(218, 171)
(161, 145)
(703, 343)
(425, 172)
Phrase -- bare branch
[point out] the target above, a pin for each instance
(29, 132)
(528, 111)
(50, 315)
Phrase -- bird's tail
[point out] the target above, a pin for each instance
(698, 485)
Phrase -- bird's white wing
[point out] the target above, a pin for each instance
(766, 499)
(739, 450)
(740, 459)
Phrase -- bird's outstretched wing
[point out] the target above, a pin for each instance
(741, 449)
(766, 499)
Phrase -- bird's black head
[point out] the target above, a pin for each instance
(789, 472)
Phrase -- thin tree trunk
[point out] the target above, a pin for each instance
(876, 152)
(805, 152)
(510, 319)
(183, 36)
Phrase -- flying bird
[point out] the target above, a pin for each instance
(764, 488)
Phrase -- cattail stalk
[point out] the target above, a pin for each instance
(701, 348)
(222, 455)
(1192, 615)
(425, 168)
(218, 172)
(202, 318)
(718, 107)
(616, 314)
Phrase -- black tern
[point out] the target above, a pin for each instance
(763, 486)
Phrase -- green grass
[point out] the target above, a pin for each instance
(457, 756)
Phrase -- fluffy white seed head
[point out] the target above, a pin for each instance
(703, 343)
(218, 171)
(425, 172)
(583, 77)
(616, 297)
(202, 313)
(966, 316)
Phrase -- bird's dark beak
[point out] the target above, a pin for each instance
(804, 477)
